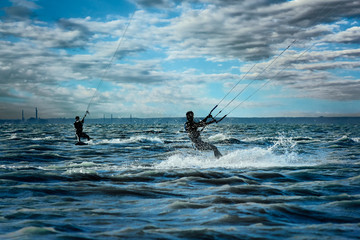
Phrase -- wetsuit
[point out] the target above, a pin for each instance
(79, 130)
(191, 128)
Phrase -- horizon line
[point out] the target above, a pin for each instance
(109, 118)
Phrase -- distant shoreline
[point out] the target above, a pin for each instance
(181, 120)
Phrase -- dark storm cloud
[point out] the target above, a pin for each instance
(21, 10)
(18, 13)
(153, 3)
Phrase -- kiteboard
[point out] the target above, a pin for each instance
(81, 143)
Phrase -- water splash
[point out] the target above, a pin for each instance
(281, 154)
(242, 158)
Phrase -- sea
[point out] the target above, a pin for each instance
(144, 180)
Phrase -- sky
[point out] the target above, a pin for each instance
(162, 58)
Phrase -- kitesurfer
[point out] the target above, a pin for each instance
(79, 128)
(191, 128)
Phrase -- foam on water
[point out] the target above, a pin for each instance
(283, 141)
(13, 136)
(135, 139)
(82, 164)
(82, 168)
(42, 138)
(80, 171)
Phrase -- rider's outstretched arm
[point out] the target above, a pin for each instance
(84, 116)
(207, 117)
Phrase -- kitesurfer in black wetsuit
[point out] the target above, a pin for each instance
(79, 128)
(191, 128)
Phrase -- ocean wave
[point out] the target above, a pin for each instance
(22, 167)
(345, 141)
(30, 232)
(218, 137)
(14, 136)
(262, 140)
(226, 139)
(83, 174)
(187, 205)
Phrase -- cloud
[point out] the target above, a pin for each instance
(351, 35)
(316, 73)
(330, 90)
(249, 30)
(63, 62)
(46, 36)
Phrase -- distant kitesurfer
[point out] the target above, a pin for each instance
(79, 128)
(191, 128)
